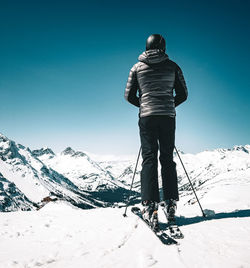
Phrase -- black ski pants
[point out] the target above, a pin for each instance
(158, 132)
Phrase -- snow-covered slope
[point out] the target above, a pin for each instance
(211, 171)
(11, 198)
(62, 236)
(81, 170)
(208, 171)
(34, 179)
(70, 175)
(87, 174)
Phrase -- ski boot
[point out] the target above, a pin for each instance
(150, 214)
(169, 210)
(170, 207)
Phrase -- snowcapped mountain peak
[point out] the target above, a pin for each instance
(43, 151)
(68, 151)
(79, 154)
(11, 197)
(219, 150)
(8, 148)
(236, 148)
(5, 142)
(3, 138)
(245, 148)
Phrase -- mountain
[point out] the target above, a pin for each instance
(70, 176)
(88, 175)
(11, 198)
(18, 165)
(207, 171)
(74, 176)
(211, 170)
(43, 151)
(123, 170)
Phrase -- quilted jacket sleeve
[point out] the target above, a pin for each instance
(132, 87)
(180, 87)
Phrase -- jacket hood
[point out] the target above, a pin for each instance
(153, 56)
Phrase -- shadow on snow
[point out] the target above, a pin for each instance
(182, 221)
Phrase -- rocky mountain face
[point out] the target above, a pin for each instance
(11, 198)
(32, 178)
(27, 177)
(70, 176)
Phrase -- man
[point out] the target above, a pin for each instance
(156, 78)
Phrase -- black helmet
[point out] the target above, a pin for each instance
(156, 41)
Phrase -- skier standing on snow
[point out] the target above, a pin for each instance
(155, 78)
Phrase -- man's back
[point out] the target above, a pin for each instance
(155, 77)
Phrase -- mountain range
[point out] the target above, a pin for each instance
(28, 177)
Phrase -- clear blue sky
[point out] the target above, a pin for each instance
(64, 67)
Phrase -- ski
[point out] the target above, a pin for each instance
(175, 232)
(161, 234)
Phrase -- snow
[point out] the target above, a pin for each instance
(24, 180)
(110, 157)
(80, 169)
(60, 235)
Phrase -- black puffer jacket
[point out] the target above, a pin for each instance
(156, 77)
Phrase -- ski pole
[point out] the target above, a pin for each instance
(125, 215)
(204, 215)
